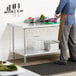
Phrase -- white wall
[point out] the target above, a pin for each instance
(37, 7)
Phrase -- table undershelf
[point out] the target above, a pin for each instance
(31, 52)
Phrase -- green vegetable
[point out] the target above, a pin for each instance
(11, 67)
(42, 16)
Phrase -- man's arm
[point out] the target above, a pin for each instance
(60, 6)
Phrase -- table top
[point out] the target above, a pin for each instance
(20, 72)
(34, 25)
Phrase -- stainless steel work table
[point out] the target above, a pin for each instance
(25, 26)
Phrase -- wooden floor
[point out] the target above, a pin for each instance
(36, 60)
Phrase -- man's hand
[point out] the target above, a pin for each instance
(57, 16)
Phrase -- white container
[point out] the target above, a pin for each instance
(51, 45)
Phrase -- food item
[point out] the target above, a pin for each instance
(11, 67)
(31, 19)
(42, 17)
(51, 20)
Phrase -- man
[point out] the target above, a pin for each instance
(68, 38)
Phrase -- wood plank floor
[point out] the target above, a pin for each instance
(36, 59)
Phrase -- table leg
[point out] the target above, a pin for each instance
(13, 43)
(24, 48)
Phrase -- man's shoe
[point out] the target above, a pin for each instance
(61, 62)
(72, 60)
